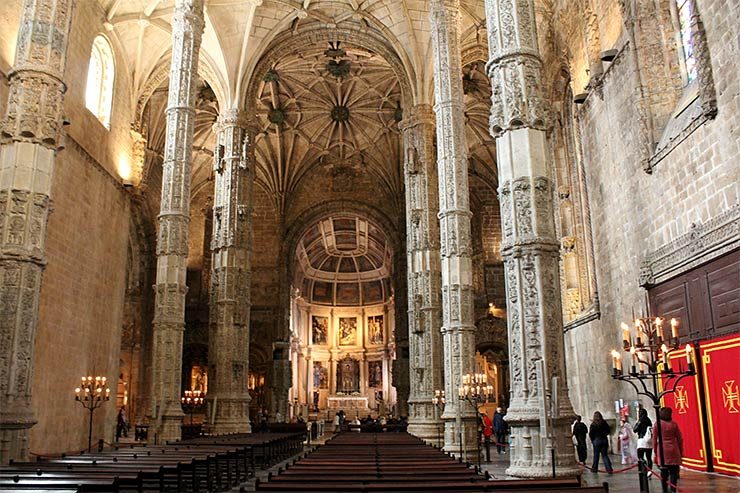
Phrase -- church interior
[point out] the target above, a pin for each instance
(239, 213)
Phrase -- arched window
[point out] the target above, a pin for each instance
(100, 77)
(684, 15)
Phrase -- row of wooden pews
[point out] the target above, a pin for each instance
(398, 462)
(204, 464)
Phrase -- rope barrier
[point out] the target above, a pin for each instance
(658, 475)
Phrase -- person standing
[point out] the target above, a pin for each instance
(499, 428)
(599, 432)
(625, 441)
(644, 430)
(487, 432)
(672, 441)
(121, 424)
(580, 431)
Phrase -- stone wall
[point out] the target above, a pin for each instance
(634, 213)
(82, 294)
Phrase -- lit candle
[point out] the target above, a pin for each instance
(689, 350)
(626, 334)
(674, 328)
(633, 352)
(616, 361)
(659, 326)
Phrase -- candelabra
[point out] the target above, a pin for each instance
(439, 403)
(190, 400)
(650, 352)
(92, 393)
(477, 392)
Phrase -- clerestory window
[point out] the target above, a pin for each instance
(684, 14)
(100, 78)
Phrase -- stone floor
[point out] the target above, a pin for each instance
(627, 482)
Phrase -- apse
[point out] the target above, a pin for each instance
(342, 319)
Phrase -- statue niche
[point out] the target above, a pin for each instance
(348, 376)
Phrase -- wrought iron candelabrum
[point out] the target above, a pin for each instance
(476, 391)
(190, 400)
(651, 373)
(92, 393)
(439, 403)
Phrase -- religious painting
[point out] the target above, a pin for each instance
(347, 331)
(320, 376)
(199, 378)
(322, 292)
(375, 373)
(348, 294)
(319, 329)
(348, 375)
(372, 292)
(375, 329)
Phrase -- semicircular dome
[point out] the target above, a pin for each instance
(344, 260)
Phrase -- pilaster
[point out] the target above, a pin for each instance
(424, 275)
(172, 238)
(230, 275)
(540, 412)
(458, 324)
(30, 135)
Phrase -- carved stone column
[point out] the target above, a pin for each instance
(424, 276)
(230, 274)
(30, 134)
(458, 324)
(540, 413)
(172, 239)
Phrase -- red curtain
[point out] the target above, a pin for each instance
(720, 361)
(687, 413)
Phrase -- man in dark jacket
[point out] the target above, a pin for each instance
(580, 431)
(499, 428)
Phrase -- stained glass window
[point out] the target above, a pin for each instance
(100, 77)
(685, 12)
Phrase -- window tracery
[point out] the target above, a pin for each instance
(100, 78)
(684, 13)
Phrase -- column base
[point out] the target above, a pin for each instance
(429, 431)
(540, 471)
(230, 427)
(170, 430)
(14, 439)
(452, 437)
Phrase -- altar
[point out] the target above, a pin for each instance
(348, 403)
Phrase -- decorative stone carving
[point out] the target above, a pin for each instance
(424, 276)
(540, 412)
(702, 243)
(172, 239)
(230, 267)
(30, 133)
(458, 323)
(139, 156)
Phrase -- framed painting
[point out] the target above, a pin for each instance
(319, 330)
(375, 329)
(347, 331)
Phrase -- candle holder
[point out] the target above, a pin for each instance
(649, 352)
(476, 391)
(190, 400)
(439, 401)
(92, 393)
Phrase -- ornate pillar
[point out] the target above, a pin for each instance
(423, 264)
(458, 324)
(30, 134)
(230, 274)
(540, 412)
(172, 238)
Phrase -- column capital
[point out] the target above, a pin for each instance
(419, 114)
(232, 117)
(514, 67)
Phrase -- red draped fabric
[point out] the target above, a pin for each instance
(720, 359)
(687, 413)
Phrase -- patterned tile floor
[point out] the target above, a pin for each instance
(627, 482)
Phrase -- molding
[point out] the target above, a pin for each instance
(87, 157)
(704, 242)
(589, 315)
